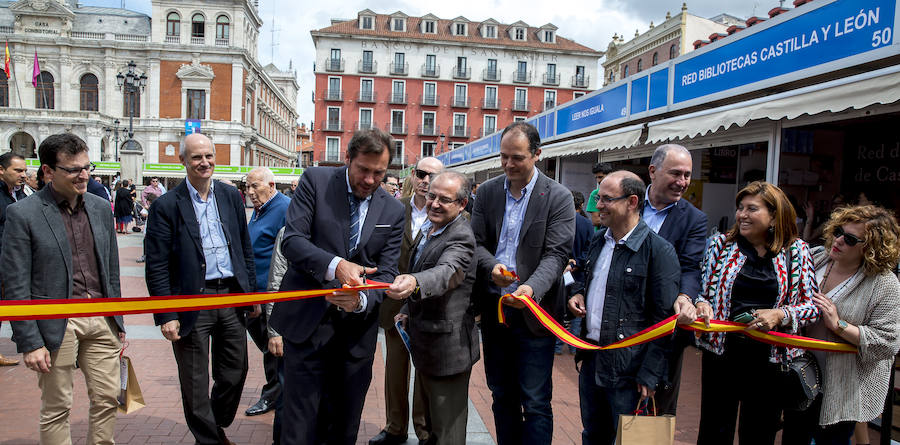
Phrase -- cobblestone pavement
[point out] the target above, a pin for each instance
(162, 420)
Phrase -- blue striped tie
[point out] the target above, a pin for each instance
(354, 223)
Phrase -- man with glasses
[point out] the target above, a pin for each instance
(391, 184)
(199, 243)
(438, 311)
(631, 283)
(396, 363)
(60, 243)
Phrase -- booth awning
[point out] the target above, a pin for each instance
(487, 164)
(620, 138)
(859, 91)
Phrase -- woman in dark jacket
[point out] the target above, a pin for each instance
(124, 207)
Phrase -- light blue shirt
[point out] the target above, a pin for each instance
(513, 218)
(426, 238)
(596, 295)
(363, 211)
(655, 218)
(212, 234)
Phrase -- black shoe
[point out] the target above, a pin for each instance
(386, 438)
(261, 407)
(428, 441)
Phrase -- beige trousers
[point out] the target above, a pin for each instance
(94, 344)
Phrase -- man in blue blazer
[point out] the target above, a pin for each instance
(341, 228)
(199, 244)
(684, 226)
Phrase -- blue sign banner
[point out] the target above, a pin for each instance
(639, 95)
(191, 126)
(480, 148)
(828, 33)
(604, 107)
(659, 89)
(457, 156)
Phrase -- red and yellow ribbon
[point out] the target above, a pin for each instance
(91, 307)
(667, 327)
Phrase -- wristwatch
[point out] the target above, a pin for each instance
(842, 325)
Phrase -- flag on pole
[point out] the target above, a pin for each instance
(37, 71)
(6, 61)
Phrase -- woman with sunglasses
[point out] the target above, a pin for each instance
(859, 303)
(759, 273)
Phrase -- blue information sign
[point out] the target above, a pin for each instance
(604, 107)
(831, 32)
(191, 126)
(639, 95)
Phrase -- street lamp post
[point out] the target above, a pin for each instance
(115, 132)
(442, 142)
(130, 83)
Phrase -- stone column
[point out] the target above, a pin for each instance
(131, 155)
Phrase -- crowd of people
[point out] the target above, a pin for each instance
(630, 256)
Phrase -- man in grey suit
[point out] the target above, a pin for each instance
(439, 313)
(60, 244)
(524, 222)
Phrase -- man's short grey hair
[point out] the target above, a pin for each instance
(264, 172)
(464, 189)
(182, 148)
(659, 155)
(30, 173)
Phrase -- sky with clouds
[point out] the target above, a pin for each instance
(590, 23)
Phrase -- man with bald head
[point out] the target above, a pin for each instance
(269, 210)
(396, 363)
(199, 243)
(631, 282)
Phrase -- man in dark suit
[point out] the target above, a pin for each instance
(341, 228)
(12, 188)
(60, 243)
(438, 310)
(524, 222)
(684, 226)
(199, 244)
(396, 361)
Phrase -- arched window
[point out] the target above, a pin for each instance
(4, 89)
(173, 24)
(43, 92)
(640, 65)
(222, 25)
(198, 23)
(89, 92)
(625, 71)
(673, 53)
(655, 59)
(612, 76)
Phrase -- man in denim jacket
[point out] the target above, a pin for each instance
(632, 277)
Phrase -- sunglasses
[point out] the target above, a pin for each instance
(421, 174)
(850, 240)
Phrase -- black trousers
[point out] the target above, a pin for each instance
(800, 427)
(741, 378)
(219, 334)
(256, 327)
(667, 395)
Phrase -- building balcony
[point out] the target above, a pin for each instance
(548, 104)
(490, 103)
(521, 105)
(487, 131)
(398, 99)
(367, 66)
(580, 81)
(396, 128)
(431, 71)
(429, 130)
(198, 40)
(366, 97)
(429, 100)
(334, 95)
(521, 76)
(460, 102)
(460, 131)
(171, 39)
(334, 65)
(461, 72)
(550, 79)
(222, 42)
(401, 69)
(333, 125)
(364, 125)
(489, 75)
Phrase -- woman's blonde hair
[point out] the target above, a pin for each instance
(783, 215)
(407, 189)
(881, 240)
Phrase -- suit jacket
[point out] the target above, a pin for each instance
(389, 306)
(175, 264)
(545, 242)
(441, 324)
(5, 200)
(685, 229)
(317, 229)
(36, 262)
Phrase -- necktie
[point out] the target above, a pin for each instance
(354, 223)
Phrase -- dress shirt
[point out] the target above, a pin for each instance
(426, 238)
(654, 218)
(85, 273)
(363, 211)
(419, 216)
(513, 218)
(212, 234)
(597, 292)
(150, 190)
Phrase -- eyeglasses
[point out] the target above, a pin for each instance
(850, 240)
(421, 174)
(77, 170)
(443, 199)
(607, 200)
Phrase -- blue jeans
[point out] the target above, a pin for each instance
(518, 366)
(601, 407)
(574, 328)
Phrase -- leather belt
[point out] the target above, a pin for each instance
(220, 283)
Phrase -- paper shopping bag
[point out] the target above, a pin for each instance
(645, 429)
(130, 397)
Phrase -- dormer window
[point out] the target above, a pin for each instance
(490, 32)
(367, 22)
(428, 27)
(398, 24)
(459, 29)
(519, 34)
(548, 37)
